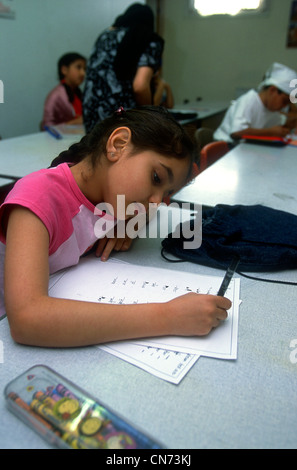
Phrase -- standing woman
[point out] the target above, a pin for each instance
(122, 64)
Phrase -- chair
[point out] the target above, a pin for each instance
(210, 153)
(203, 136)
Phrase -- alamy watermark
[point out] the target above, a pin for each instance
(293, 97)
(132, 221)
(293, 353)
(1, 92)
(1, 352)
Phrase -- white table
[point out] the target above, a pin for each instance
(20, 156)
(210, 113)
(246, 403)
(5, 181)
(205, 109)
(249, 174)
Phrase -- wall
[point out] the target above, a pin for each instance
(30, 46)
(216, 57)
(209, 57)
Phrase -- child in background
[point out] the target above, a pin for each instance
(259, 112)
(142, 154)
(64, 102)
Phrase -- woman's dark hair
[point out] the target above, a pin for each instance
(152, 128)
(68, 59)
(139, 21)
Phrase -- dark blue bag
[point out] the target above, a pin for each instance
(265, 239)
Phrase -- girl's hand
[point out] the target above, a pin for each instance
(107, 245)
(118, 243)
(196, 314)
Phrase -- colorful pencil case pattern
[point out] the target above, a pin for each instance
(67, 416)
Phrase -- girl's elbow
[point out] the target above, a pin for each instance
(16, 335)
(19, 325)
(17, 332)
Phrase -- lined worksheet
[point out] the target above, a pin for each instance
(122, 283)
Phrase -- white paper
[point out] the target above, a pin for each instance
(163, 363)
(109, 282)
(221, 342)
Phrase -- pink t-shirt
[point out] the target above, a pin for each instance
(57, 107)
(70, 218)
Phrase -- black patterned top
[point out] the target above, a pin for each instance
(104, 93)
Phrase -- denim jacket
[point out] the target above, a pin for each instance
(265, 239)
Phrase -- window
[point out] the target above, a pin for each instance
(227, 7)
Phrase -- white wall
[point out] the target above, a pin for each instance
(30, 46)
(208, 57)
(213, 57)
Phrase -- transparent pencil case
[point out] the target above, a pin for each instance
(67, 416)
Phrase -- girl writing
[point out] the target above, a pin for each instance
(47, 223)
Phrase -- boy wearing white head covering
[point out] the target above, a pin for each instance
(259, 112)
(280, 76)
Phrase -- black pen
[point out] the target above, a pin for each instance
(228, 276)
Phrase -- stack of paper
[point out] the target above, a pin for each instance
(168, 357)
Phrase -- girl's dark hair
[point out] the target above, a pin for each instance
(66, 60)
(139, 21)
(152, 128)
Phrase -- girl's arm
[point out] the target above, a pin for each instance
(40, 320)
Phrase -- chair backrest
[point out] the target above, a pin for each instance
(203, 136)
(211, 153)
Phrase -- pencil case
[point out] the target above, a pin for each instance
(67, 416)
(266, 140)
